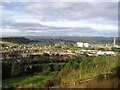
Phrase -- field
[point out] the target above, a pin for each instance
(37, 81)
(8, 43)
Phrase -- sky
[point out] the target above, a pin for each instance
(59, 18)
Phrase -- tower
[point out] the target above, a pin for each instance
(114, 42)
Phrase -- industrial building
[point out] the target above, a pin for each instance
(86, 44)
(81, 44)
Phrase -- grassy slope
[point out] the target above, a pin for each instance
(37, 81)
(19, 40)
(8, 43)
(113, 83)
(88, 69)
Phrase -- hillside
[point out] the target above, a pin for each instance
(18, 40)
(90, 40)
(100, 68)
(6, 43)
(30, 39)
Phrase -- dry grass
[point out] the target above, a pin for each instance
(98, 84)
(8, 43)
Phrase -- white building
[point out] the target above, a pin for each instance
(105, 53)
(117, 46)
(79, 44)
(86, 44)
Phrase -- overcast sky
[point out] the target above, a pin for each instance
(60, 18)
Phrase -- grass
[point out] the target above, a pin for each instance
(89, 68)
(111, 83)
(37, 81)
(8, 43)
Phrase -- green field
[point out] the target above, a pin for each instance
(37, 81)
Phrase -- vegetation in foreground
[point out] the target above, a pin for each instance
(72, 71)
(37, 81)
(106, 83)
(90, 67)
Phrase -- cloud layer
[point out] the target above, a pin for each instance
(60, 18)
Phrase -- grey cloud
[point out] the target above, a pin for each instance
(73, 32)
(34, 26)
(43, 30)
(76, 11)
(59, 11)
(68, 10)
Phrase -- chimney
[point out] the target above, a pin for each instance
(114, 42)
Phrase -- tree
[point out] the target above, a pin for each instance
(6, 69)
(28, 70)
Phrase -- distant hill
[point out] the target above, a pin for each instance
(18, 40)
(90, 40)
(30, 39)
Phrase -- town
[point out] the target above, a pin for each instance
(62, 48)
